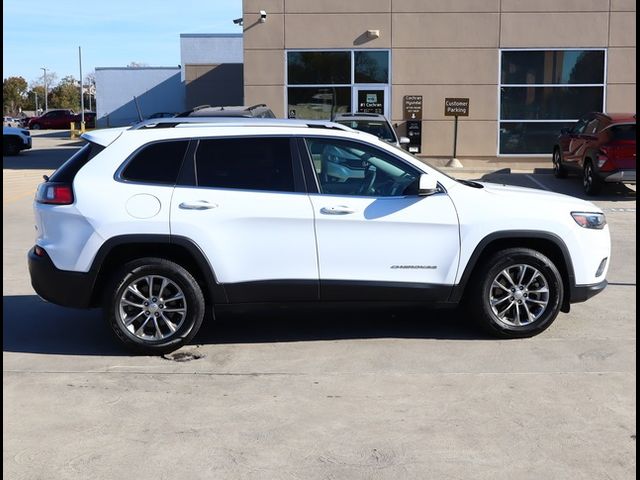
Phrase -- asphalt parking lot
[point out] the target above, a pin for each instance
(299, 394)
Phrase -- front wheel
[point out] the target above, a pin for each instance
(35, 126)
(154, 306)
(517, 293)
(590, 180)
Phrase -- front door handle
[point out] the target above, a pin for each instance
(337, 210)
(197, 205)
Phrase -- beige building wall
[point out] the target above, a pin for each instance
(440, 48)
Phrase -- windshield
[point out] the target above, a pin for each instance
(380, 129)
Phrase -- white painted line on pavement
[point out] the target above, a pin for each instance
(541, 185)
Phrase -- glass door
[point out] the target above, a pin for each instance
(371, 99)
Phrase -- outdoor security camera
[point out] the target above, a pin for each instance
(238, 21)
(263, 16)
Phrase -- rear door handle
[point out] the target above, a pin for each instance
(198, 205)
(337, 210)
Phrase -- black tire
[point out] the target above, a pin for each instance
(10, 146)
(483, 292)
(186, 326)
(35, 126)
(559, 170)
(590, 181)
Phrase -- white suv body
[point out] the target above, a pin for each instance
(285, 211)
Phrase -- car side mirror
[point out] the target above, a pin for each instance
(404, 140)
(427, 185)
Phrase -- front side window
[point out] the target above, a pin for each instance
(542, 91)
(351, 168)
(156, 163)
(245, 164)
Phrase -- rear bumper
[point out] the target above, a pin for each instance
(582, 293)
(619, 176)
(68, 289)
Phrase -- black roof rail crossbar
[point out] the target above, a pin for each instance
(259, 105)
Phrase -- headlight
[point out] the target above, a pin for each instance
(590, 220)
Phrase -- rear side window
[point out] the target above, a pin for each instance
(623, 132)
(157, 163)
(245, 164)
(68, 170)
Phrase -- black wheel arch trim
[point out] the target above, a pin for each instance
(215, 290)
(458, 290)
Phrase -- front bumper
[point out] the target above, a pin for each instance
(68, 289)
(582, 293)
(620, 176)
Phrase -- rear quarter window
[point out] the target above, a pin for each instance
(68, 170)
(623, 132)
(157, 163)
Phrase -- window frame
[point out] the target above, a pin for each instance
(117, 176)
(353, 85)
(546, 85)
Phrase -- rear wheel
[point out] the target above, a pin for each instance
(517, 293)
(590, 181)
(154, 306)
(558, 169)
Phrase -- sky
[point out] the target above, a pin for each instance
(112, 33)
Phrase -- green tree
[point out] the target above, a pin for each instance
(14, 90)
(66, 94)
(30, 100)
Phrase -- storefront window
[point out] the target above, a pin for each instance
(542, 91)
(321, 84)
(371, 66)
(553, 67)
(314, 68)
(318, 103)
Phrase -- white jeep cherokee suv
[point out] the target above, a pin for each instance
(164, 221)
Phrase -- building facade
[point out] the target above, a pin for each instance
(527, 67)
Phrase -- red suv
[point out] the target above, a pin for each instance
(53, 119)
(602, 146)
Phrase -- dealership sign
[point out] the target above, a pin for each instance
(456, 107)
(413, 107)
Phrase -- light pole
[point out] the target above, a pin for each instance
(46, 105)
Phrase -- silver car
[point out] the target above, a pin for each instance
(372, 123)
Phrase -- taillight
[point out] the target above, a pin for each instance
(54, 194)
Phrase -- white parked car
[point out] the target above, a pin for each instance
(156, 224)
(14, 140)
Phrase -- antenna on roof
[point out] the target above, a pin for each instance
(135, 100)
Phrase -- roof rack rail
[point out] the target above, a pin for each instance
(174, 122)
(259, 105)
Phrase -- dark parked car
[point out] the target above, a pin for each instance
(255, 111)
(61, 119)
(600, 146)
